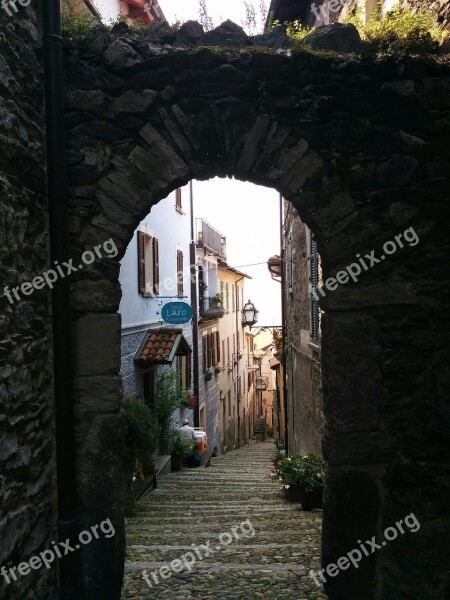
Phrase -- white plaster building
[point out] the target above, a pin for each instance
(155, 270)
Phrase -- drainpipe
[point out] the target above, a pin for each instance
(61, 310)
(194, 304)
(238, 347)
(283, 327)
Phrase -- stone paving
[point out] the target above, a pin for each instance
(278, 543)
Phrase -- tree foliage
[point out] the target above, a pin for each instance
(255, 18)
(203, 15)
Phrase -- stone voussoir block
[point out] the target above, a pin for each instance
(96, 339)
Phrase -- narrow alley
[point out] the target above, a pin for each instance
(278, 542)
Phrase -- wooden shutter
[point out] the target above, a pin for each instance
(180, 268)
(205, 353)
(212, 341)
(188, 371)
(218, 346)
(141, 261)
(178, 205)
(155, 266)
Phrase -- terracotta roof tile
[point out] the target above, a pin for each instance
(158, 346)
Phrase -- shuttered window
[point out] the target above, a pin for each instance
(148, 264)
(184, 368)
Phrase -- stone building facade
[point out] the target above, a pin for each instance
(302, 342)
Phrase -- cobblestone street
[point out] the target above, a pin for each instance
(194, 507)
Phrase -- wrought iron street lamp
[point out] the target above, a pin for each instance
(249, 314)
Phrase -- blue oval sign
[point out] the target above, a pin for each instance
(176, 313)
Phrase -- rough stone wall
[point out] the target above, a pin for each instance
(302, 359)
(129, 345)
(360, 147)
(27, 496)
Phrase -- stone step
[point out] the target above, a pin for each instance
(194, 507)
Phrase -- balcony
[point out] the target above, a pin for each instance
(261, 383)
(210, 308)
(210, 238)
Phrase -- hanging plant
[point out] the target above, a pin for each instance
(189, 401)
(278, 344)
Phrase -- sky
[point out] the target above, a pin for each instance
(184, 10)
(248, 216)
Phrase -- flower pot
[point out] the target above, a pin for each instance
(292, 493)
(310, 500)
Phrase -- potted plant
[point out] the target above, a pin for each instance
(217, 369)
(209, 374)
(302, 479)
(180, 449)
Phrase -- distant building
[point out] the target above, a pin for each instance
(233, 380)
(148, 11)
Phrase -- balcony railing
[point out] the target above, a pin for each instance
(210, 308)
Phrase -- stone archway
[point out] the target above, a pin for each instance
(358, 147)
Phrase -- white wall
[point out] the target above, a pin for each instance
(172, 229)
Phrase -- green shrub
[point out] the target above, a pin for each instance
(400, 31)
(294, 29)
(306, 471)
(140, 437)
(75, 23)
(169, 396)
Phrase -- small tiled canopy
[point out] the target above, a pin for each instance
(160, 346)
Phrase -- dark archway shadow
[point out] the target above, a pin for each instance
(323, 133)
